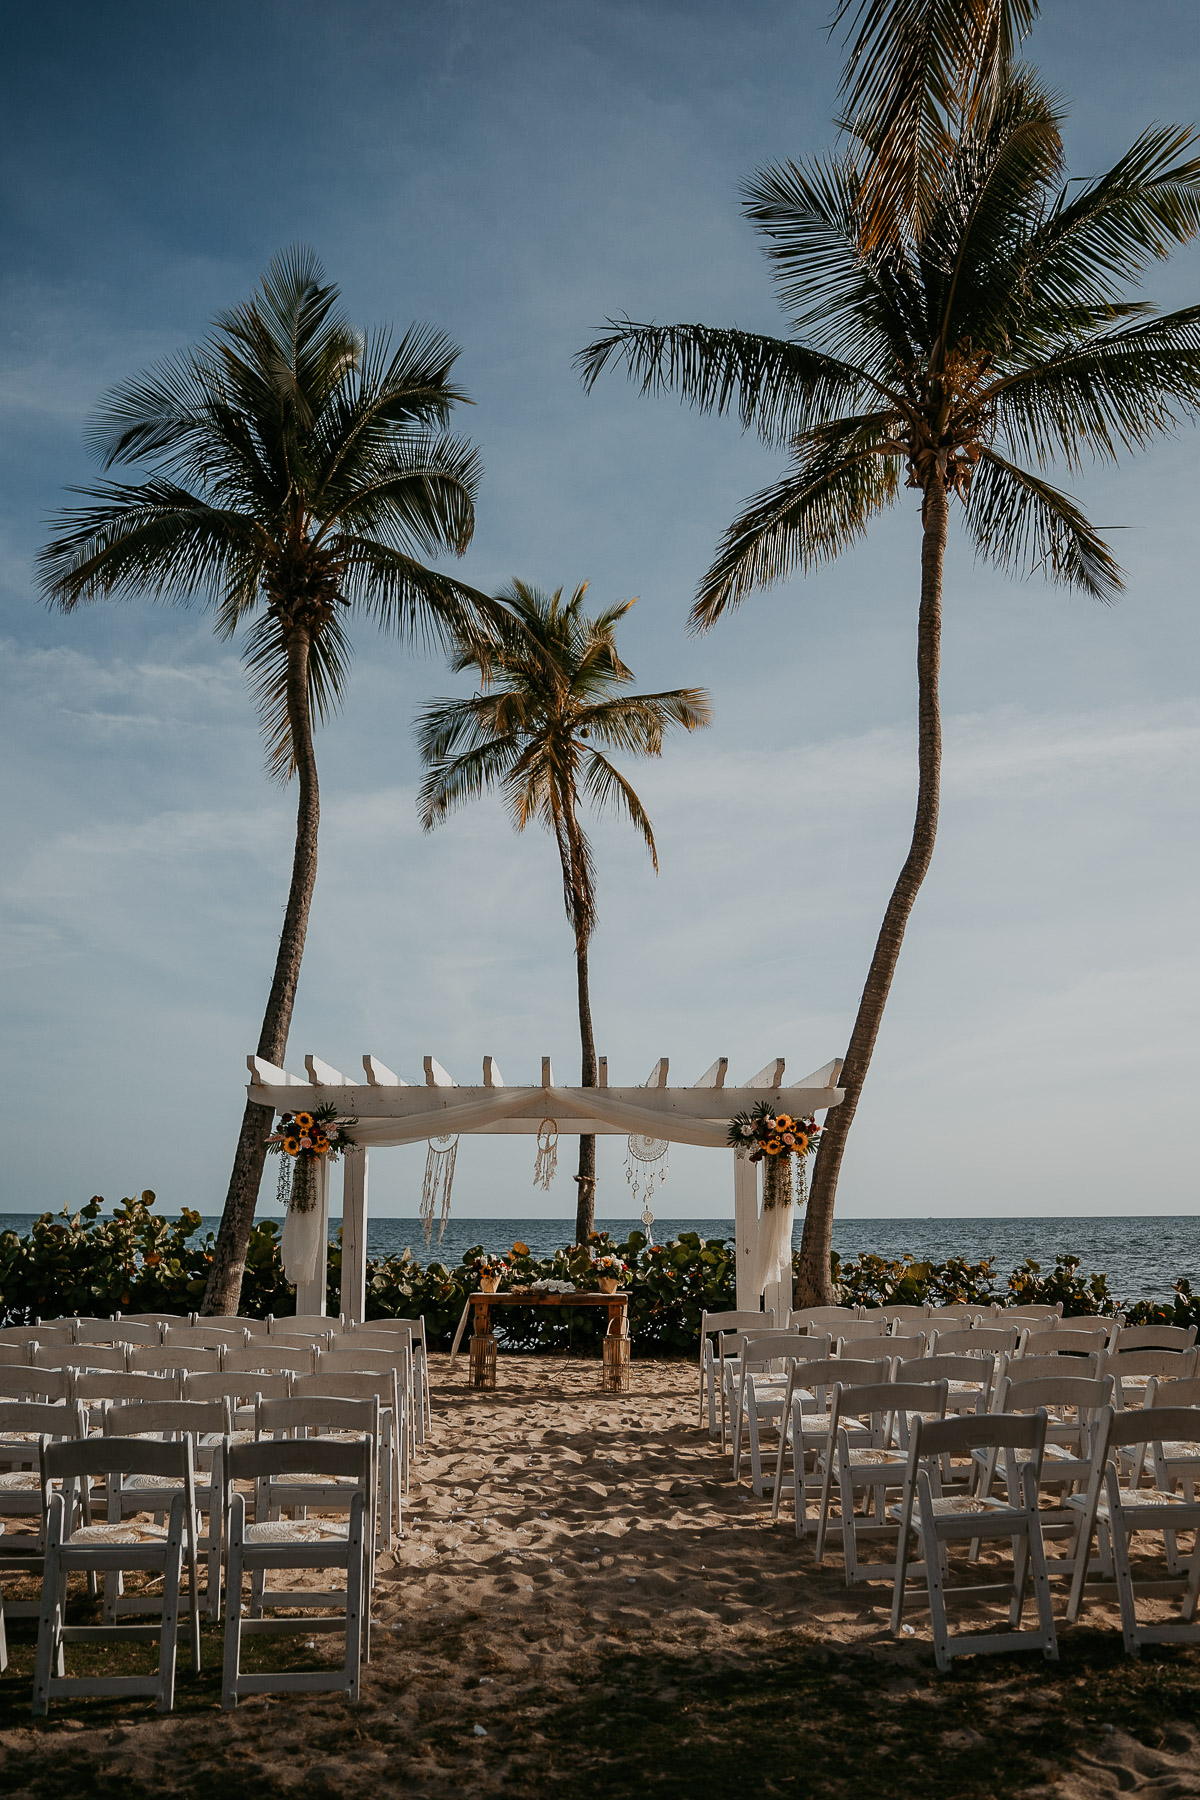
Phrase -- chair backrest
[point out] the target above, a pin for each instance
(14, 1353)
(271, 1359)
(75, 1457)
(893, 1314)
(270, 1458)
(981, 1340)
(52, 1331)
(416, 1326)
(978, 1431)
(1154, 1424)
(177, 1355)
(958, 1312)
(760, 1351)
(1025, 1315)
(886, 1399)
(319, 1413)
(1183, 1391)
(821, 1318)
(103, 1388)
(237, 1389)
(115, 1331)
(353, 1385)
(1081, 1325)
(308, 1323)
(873, 1325)
(168, 1418)
(203, 1337)
(1023, 1365)
(79, 1356)
(383, 1343)
(945, 1366)
(234, 1323)
(827, 1372)
(1082, 1393)
(22, 1419)
(1170, 1363)
(709, 1322)
(353, 1362)
(301, 1340)
(31, 1383)
(154, 1318)
(1154, 1337)
(907, 1344)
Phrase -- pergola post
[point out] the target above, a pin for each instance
(745, 1230)
(310, 1295)
(354, 1235)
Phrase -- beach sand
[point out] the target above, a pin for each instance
(580, 1577)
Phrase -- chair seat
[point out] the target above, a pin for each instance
(1181, 1452)
(129, 1531)
(297, 1531)
(324, 1481)
(25, 1481)
(867, 1458)
(950, 1506)
(1132, 1500)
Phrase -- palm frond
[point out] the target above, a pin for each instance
(414, 493)
(774, 388)
(816, 511)
(606, 786)
(1020, 522)
(152, 535)
(420, 606)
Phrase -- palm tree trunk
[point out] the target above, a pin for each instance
(229, 1256)
(814, 1285)
(585, 1205)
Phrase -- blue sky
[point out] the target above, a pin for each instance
(515, 173)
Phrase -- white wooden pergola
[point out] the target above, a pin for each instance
(390, 1111)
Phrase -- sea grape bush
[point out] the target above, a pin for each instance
(134, 1261)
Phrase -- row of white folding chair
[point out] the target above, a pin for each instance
(712, 1325)
(344, 1478)
(805, 1414)
(757, 1378)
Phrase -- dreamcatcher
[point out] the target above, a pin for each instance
(645, 1170)
(546, 1161)
(439, 1181)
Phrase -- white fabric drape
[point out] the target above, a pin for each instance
(302, 1243)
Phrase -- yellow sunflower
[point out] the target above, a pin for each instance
(304, 1121)
(291, 1146)
(772, 1146)
(801, 1143)
(783, 1123)
(320, 1144)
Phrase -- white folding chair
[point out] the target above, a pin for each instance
(957, 1314)
(1074, 1406)
(1025, 1315)
(711, 1326)
(265, 1357)
(765, 1374)
(905, 1315)
(1118, 1511)
(821, 1319)
(968, 1378)
(938, 1520)
(345, 1469)
(1175, 1462)
(81, 1357)
(29, 1382)
(204, 1337)
(115, 1331)
(1133, 1370)
(206, 1422)
(383, 1387)
(805, 1423)
(97, 1391)
(420, 1351)
(23, 1423)
(1040, 1336)
(975, 1340)
(1154, 1337)
(866, 1453)
(398, 1349)
(175, 1357)
(97, 1550)
(869, 1325)
(305, 1324)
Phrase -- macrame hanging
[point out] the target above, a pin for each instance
(645, 1169)
(546, 1161)
(439, 1181)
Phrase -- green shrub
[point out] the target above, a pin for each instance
(134, 1261)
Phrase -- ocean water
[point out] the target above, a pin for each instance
(1142, 1257)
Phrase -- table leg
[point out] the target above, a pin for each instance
(614, 1373)
(483, 1348)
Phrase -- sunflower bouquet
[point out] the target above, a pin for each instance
(304, 1140)
(764, 1134)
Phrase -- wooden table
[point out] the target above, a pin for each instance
(614, 1368)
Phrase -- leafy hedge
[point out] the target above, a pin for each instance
(133, 1261)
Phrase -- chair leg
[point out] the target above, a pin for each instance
(3, 1636)
(355, 1629)
(937, 1597)
(823, 1513)
(168, 1637)
(1041, 1586)
(233, 1607)
(1125, 1594)
(755, 1450)
(49, 1620)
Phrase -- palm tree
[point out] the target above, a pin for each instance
(294, 471)
(949, 356)
(552, 692)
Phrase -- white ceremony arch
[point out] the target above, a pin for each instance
(389, 1111)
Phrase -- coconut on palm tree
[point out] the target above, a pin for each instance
(954, 356)
(552, 701)
(295, 472)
